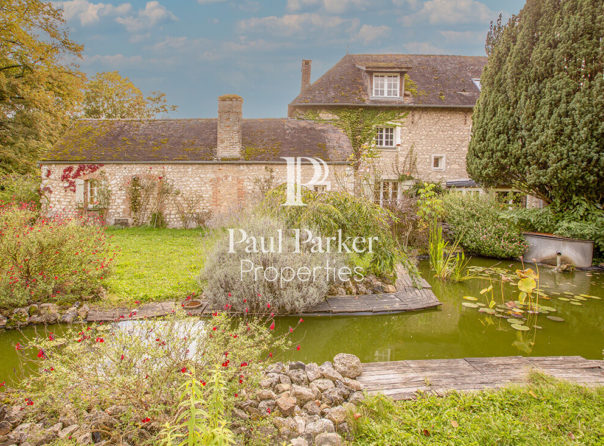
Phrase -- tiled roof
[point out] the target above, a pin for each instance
(195, 140)
(430, 81)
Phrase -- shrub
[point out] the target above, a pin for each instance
(127, 383)
(478, 224)
(275, 285)
(20, 188)
(49, 259)
(329, 212)
(407, 227)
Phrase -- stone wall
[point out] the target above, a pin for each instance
(217, 187)
(427, 132)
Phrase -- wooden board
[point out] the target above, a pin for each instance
(404, 379)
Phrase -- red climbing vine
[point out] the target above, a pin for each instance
(70, 174)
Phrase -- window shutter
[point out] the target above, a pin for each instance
(79, 192)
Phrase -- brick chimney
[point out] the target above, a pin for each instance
(229, 126)
(305, 74)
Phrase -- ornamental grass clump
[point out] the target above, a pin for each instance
(150, 382)
(277, 278)
(49, 259)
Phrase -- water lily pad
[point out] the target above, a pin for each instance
(480, 304)
(579, 298)
(486, 310)
(576, 303)
(513, 320)
(555, 318)
(565, 299)
(519, 327)
(469, 304)
(470, 298)
(568, 293)
(539, 327)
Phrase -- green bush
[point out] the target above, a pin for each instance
(20, 188)
(328, 212)
(274, 286)
(478, 224)
(56, 259)
(128, 382)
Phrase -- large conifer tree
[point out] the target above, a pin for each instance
(539, 122)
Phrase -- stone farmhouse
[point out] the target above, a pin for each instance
(129, 171)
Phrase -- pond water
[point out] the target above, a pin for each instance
(451, 331)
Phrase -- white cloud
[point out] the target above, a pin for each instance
(450, 11)
(207, 2)
(423, 48)
(369, 33)
(153, 14)
(305, 24)
(464, 36)
(87, 12)
(331, 6)
(112, 60)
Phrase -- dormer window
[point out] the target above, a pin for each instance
(476, 81)
(386, 85)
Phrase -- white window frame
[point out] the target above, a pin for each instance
(385, 88)
(386, 192)
(381, 139)
(92, 190)
(444, 162)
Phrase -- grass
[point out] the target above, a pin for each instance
(545, 412)
(154, 264)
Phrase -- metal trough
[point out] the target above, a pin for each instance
(554, 249)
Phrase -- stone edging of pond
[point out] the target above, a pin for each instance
(306, 403)
(407, 297)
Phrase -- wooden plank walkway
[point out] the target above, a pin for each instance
(406, 298)
(402, 379)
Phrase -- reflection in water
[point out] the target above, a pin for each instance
(451, 331)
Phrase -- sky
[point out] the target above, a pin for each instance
(196, 50)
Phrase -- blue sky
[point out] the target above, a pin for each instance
(196, 50)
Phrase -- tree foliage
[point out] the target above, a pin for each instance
(39, 88)
(111, 96)
(538, 124)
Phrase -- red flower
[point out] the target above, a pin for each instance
(137, 302)
(122, 358)
(100, 340)
(291, 330)
(243, 364)
(183, 370)
(203, 383)
(298, 347)
(272, 327)
(51, 337)
(214, 328)
(236, 395)
(301, 320)
(145, 420)
(267, 305)
(40, 354)
(18, 346)
(268, 409)
(3, 383)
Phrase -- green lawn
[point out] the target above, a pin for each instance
(154, 264)
(546, 412)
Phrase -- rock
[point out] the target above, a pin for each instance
(83, 312)
(277, 367)
(280, 388)
(298, 377)
(329, 372)
(323, 384)
(298, 365)
(270, 380)
(313, 407)
(356, 397)
(69, 316)
(300, 424)
(5, 427)
(48, 308)
(265, 405)
(390, 289)
(19, 317)
(55, 428)
(320, 426)
(347, 365)
(21, 433)
(352, 384)
(337, 415)
(312, 371)
(286, 426)
(50, 318)
(266, 394)
(116, 410)
(284, 379)
(286, 405)
(328, 439)
(2, 321)
(299, 441)
(238, 413)
(302, 394)
(85, 439)
(333, 397)
(68, 431)
(14, 415)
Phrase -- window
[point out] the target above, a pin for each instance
(387, 192)
(438, 162)
(386, 85)
(92, 193)
(319, 188)
(476, 81)
(385, 137)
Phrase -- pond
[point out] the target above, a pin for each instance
(451, 331)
